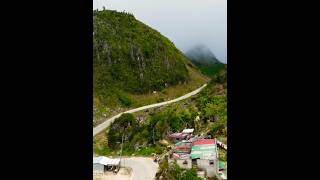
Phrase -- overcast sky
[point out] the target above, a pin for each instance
(185, 22)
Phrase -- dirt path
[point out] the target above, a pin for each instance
(106, 123)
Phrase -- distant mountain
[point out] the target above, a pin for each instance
(200, 54)
(202, 57)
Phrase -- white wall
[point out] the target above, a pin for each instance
(184, 166)
(210, 169)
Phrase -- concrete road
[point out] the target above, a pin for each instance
(107, 123)
(142, 168)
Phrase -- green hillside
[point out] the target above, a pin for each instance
(131, 59)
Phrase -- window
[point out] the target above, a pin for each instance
(211, 162)
(185, 162)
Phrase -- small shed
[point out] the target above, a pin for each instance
(102, 164)
(188, 131)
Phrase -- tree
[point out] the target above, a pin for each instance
(127, 124)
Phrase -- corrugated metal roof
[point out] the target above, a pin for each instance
(177, 135)
(180, 156)
(188, 131)
(182, 143)
(203, 155)
(105, 161)
(203, 142)
(204, 148)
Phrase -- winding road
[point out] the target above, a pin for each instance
(105, 124)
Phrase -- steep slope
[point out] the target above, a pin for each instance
(202, 57)
(130, 59)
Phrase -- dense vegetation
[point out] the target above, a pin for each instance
(129, 56)
(212, 103)
(145, 137)
(202, 57)
(174, 172)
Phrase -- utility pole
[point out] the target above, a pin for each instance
(153, 136)
(121, 146)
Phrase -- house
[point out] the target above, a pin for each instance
(204, 152)
(102, 164)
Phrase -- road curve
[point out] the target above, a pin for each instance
(142, 168)
(106, 123)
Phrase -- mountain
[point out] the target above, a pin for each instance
(200, 54)
(130, 57)
(202, 57)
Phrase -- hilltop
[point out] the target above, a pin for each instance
(202, 57)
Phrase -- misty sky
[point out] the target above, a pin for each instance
(185, 22)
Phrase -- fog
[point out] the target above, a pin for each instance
(185, 22)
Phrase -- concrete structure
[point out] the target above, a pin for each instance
(102, 164)
(185, 163)
(204, 151)
(211, 167)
